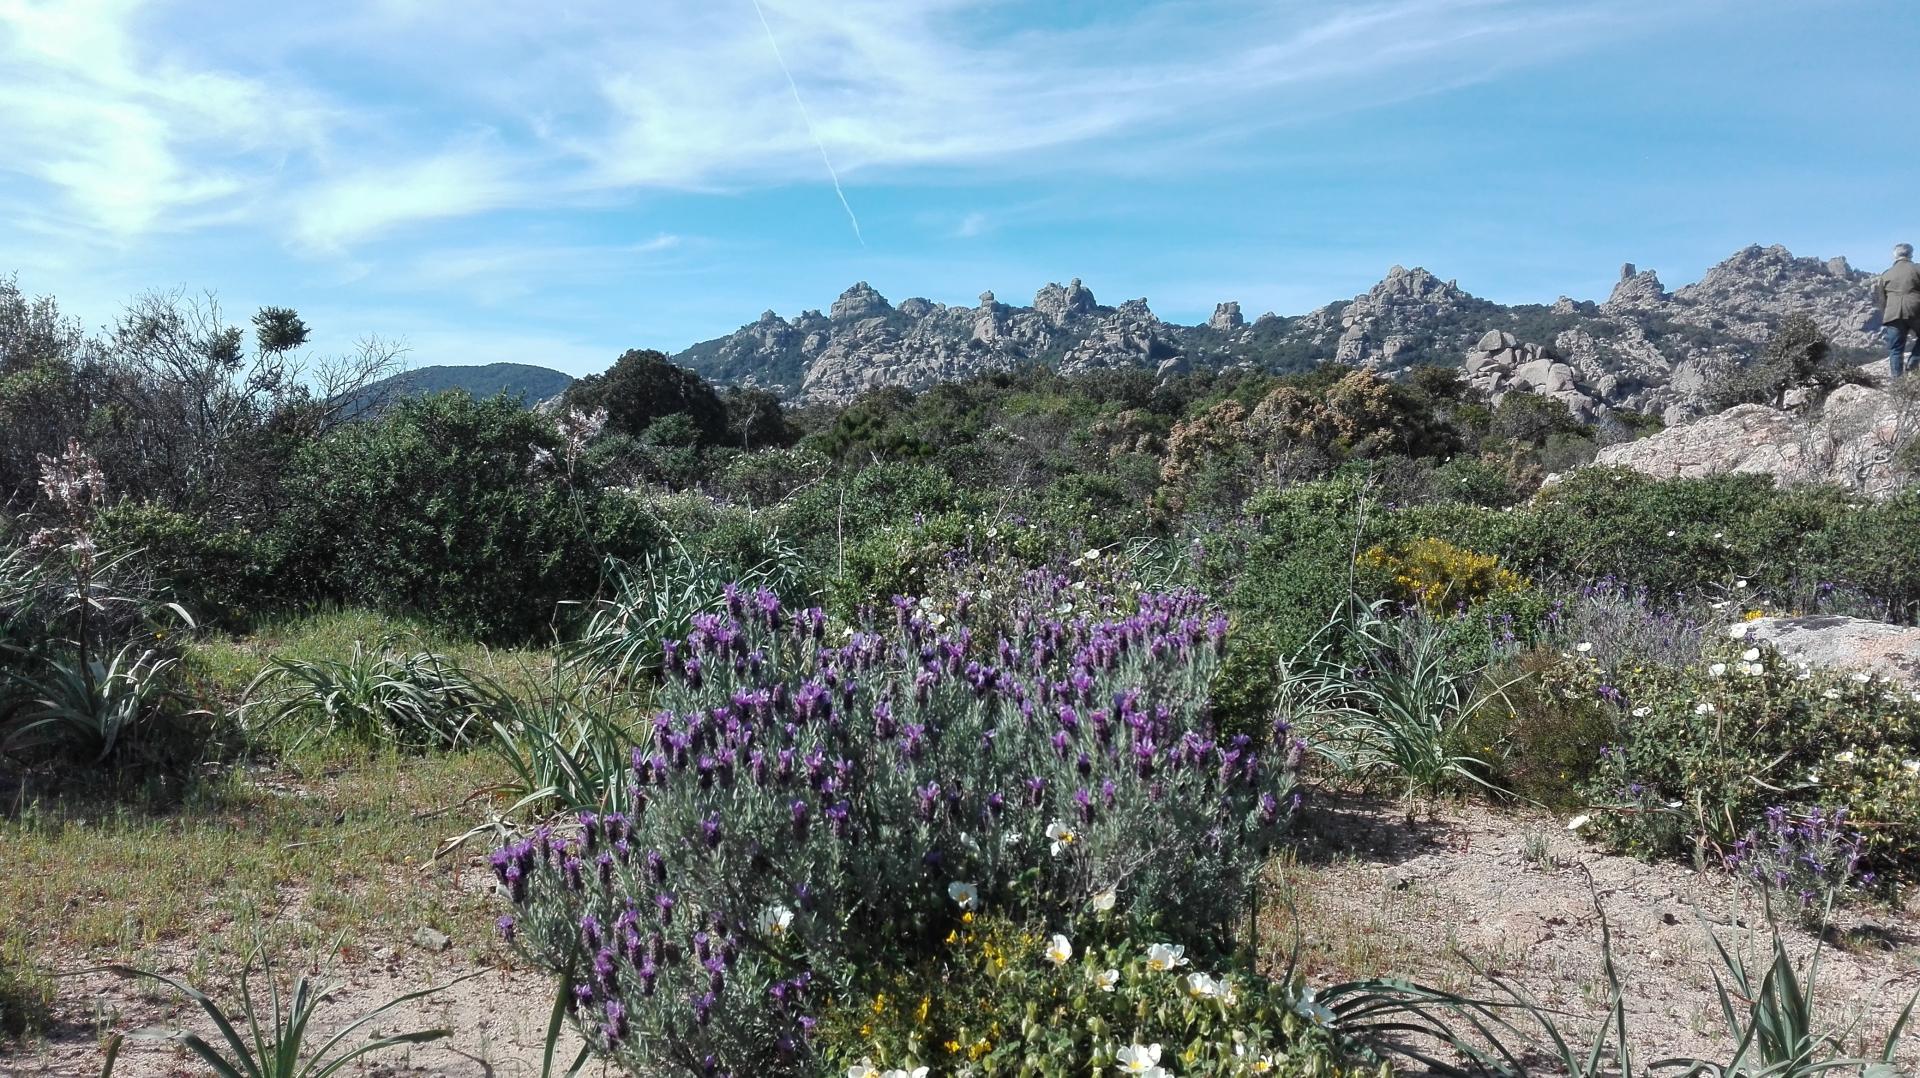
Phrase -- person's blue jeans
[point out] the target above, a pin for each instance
(1897, 335)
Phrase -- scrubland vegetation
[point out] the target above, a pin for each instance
(961, 732)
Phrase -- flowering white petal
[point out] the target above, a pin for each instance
(1579, 821)
(1583, 646)
(1718, 669)
(1107, 979)
(1750, 655)
(1162, 957)
(1059, 949)
(1103, 902)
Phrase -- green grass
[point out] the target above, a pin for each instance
(223, 665)
(324, 845)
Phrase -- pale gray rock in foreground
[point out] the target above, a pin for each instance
(1890, 651)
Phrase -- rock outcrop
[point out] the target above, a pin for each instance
(1855, 439)
(1644, 348)
(1874, 647)
(1499, 364)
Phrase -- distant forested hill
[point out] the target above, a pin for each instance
(529, 383)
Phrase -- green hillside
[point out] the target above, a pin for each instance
(528, 383)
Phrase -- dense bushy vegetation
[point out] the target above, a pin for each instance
(947, 730)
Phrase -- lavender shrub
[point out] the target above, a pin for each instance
(813, 809)
(1808, 860)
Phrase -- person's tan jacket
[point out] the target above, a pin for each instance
(1897, 292)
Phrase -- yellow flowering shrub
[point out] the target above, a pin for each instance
(1439, 576)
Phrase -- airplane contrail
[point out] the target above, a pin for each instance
(808, 117)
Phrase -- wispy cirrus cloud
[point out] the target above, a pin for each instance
(388, 115)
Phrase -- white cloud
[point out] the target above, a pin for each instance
(144, 117)
(129, 140)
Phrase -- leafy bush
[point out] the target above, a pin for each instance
(999, 999)
(455, 509)
(644, 387)
(1536, 741)
(222, 574)
(809, 814)
(1704, 750)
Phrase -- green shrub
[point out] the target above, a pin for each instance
(222, 574)
(445, 507)
(1539, 742)
(1704, 750)
(1000, 999)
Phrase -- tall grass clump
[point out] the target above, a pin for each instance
(1379, 696)
(375, 696)
(646, 605)
(814, 811)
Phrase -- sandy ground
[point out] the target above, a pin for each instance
(1416, 898)
(1370, 894)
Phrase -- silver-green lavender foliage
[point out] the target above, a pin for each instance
(812, 805)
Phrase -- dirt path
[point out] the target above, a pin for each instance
(1365, 894)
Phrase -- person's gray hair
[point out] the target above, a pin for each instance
(1903, 250)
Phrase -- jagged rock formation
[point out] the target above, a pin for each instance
(1644, 348)
(1498, 364)
(1855, 439)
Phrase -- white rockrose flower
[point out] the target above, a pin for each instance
(1163, 957)
(1061, 836)
(1141, 1059)
(775, 920)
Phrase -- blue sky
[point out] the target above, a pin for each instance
(554, 183)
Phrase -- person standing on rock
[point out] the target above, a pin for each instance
(1897, 293)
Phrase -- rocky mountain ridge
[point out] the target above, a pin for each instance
(1644, 348)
